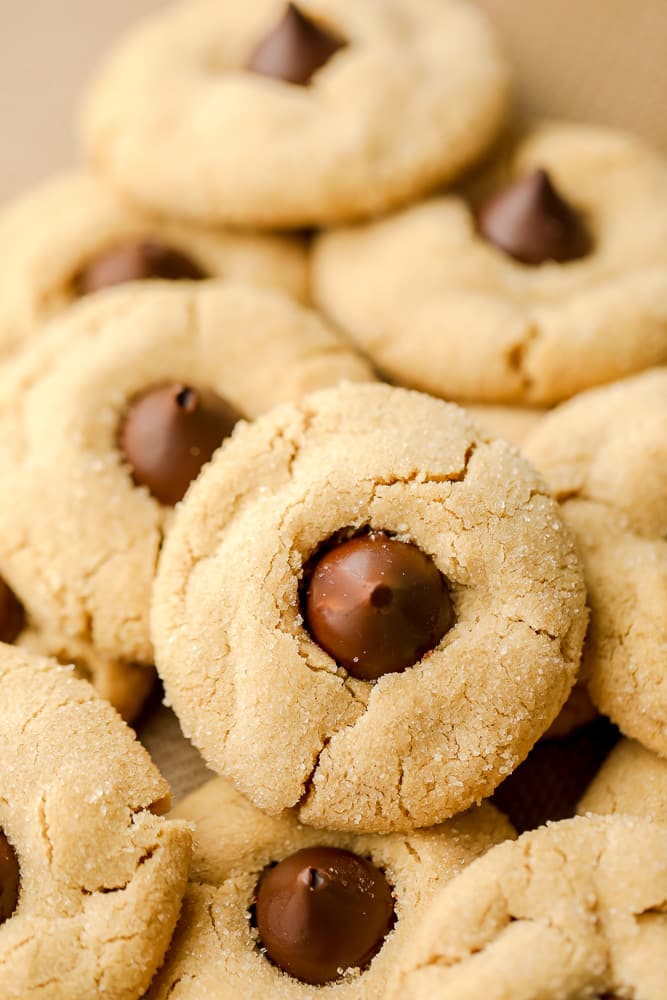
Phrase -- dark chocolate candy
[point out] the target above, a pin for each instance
(532, 223)
(377, 605)
(169, 433)
(323, 910)
(137, 260)
(295, 49)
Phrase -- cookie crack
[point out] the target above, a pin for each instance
(44, 829)
(517, 357)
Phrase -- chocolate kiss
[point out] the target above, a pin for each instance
(295, 49)
(323, 910)
(532, 223)
(136, 260)
(377, 605)
(169, 433)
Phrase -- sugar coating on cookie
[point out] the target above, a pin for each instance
(125, 685)
(216, 950)
(84, 559)
(262, 699)
(632, 780)
(180, 119)
(604, 456)
(439, 307)
(52, 236)
(574, 909)
(101, 873)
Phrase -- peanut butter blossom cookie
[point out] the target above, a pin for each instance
(604, 456)
(283, 114)
(571, 911)
(277, 909)
(554, 281)
(105, 420)
(632, 780)
(367, 610)
(91, 875)
(74, 236)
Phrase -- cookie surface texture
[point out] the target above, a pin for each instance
(440, 308)
(417, 91)
(102, 873)
(83, 563)
(50, 236)
(604, 455)
(216, 952)
(262, 700)
(573, 910)
(632, 780)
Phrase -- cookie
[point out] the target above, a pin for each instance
(604, 455)
(357, 908)
(73, 236)
(632, 780)
(126, 685)
(514, 423)
(574, 910)
(281, 115)
(556, 282)
(110, 415)
(91, 874)
(367, 611)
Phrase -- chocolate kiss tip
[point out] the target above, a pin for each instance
(531, 222)
(295, 49)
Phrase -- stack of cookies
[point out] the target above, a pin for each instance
(332, 394)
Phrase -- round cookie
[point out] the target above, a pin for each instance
(514, 423)
(632, 780)
(391, 471)
(360, 106)
(83, 563)
(604, 456)
(217, 951)
(573, 910)
(440, 307)
(100, 873)
(74, 235)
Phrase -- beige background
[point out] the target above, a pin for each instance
(596, 59)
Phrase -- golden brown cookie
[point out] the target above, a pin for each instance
(367, 610)
(604, 456)
(104, 421)
(571, 911)
(100, 873)
(557, 284)
(73, 236)
(274, 114)
(632, 780)
(217, 950)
